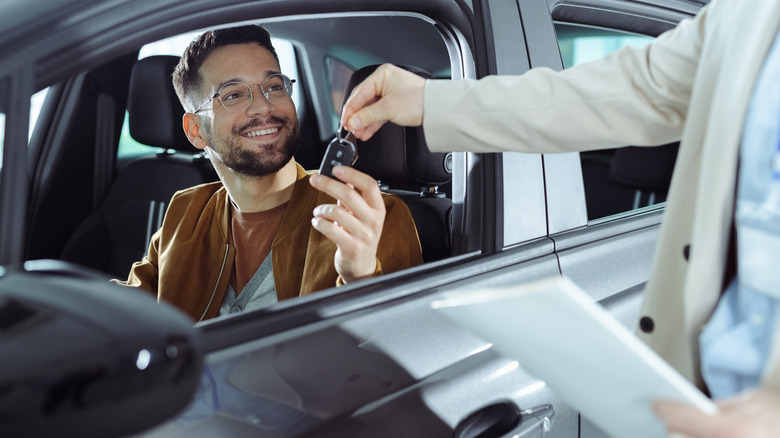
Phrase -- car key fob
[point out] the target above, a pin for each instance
(339, 152)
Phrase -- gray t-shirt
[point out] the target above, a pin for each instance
(259, 292)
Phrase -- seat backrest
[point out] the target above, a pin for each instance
(400, 160)
(647, 170)
(118, 232)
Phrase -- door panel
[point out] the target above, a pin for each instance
(358, 373)
(610, 258)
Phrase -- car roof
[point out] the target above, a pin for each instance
(62, 37)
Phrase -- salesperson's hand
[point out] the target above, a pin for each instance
(389, 94)
(754, 414)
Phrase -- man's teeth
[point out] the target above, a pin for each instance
(262, 132)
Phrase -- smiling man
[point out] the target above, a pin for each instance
(269, 230)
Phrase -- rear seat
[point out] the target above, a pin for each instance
(647, 170)
(118, 232)
(620, 180)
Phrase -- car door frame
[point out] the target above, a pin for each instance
(15, 93)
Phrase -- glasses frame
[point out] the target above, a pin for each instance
(285, 78)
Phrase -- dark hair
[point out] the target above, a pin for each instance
(185, 75)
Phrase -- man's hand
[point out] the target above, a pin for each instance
(753, 414)
(389, 94)
(354, 224)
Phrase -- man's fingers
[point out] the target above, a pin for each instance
(365, 184)
(343, 217)
(332, 231)
(360, 209)
(364, 196)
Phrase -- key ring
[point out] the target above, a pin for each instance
(346, 137)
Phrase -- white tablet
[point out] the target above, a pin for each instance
(560, 335)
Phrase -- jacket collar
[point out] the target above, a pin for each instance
(298, 207)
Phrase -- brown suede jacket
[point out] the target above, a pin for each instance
(190, 261)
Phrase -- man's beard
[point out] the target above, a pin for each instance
(253, 162)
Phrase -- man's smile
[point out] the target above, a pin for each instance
(260, 132)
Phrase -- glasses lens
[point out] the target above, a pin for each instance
(235, 96)
(277, 87)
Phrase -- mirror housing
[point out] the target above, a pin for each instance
(85, 357)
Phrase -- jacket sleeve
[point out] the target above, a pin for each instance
(399, 245)
(144, 273)
(631, 97)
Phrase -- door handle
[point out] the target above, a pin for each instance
(502, 418)
(534, 422)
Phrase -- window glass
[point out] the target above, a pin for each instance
(606, 194)
(580, 44)
(338, 76)
(36, 103)
(176, 45)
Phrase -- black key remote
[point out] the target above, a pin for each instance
(340, 152)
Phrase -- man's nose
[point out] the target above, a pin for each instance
(259, 103)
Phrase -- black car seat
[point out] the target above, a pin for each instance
(621, 180)
(118, 232)
(399, 159)
(646, 170)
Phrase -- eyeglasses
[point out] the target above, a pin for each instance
(237, 96)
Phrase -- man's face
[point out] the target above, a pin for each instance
(263, 138)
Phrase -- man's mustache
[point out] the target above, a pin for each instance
(258, 123)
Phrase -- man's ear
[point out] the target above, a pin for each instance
(191, 124)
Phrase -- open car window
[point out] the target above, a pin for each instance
(125, 192)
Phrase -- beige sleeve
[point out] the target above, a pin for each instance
(632, 97)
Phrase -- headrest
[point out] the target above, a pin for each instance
(645, 168)
(397, 154)
(154, 109)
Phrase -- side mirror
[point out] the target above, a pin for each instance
(80, 356)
